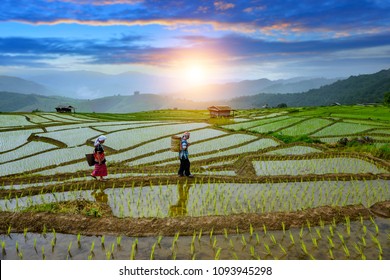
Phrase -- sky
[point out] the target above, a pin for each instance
(197, 41)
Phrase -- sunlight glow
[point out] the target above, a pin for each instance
(195, 74)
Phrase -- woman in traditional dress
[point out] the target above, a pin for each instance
(100, 160)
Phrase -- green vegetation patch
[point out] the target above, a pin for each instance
(295, 139)
(82, 206)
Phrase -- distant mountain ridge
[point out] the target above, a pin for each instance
(356, 89)
(18, 102)
(14, 84)
(92, 85)
(253, 87)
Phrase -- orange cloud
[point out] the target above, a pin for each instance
(238, 27)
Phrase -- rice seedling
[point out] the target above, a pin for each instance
(341, 237)
(375, 225)
(225, 233)
(160, 237)
(102, 240)
(308, 224)
(200, 235)
(364, 230)
(318, 231)
(44, 230)
(304, 249)
(359, 250)
(192, 249)
(43, 252)
(112, 248)
(283, 249)
(315, 243)
(331, 256)
(231, 244)
(152, 251)
(79, 240)
(301, 233)
(267, 249)
(25, 233)
(134, 249)
(118, 241)
(3, 245)
(330, 240)
(108, 255)
(69, 248)
(377, 243)
(346, 251)
(331, 231)
(292, 238)
(211, 233)
(250, 230)
(257, 239)
(53, 244)
(218, 253)
(348, 226)
(243, 241)
(284, 228)
(252, 252)
(273, 239)
(214, 243)
(92, 248)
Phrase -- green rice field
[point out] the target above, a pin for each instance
(269, 184)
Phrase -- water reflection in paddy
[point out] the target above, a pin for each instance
(189, 199)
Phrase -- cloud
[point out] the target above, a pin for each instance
(223, 6)
(277, 19)
(233, 49)
(98, 2)
(255, 32)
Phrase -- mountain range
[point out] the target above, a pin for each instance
(22, 95)
(91, 85)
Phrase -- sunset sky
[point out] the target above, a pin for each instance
(199, 41)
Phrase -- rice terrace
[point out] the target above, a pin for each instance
(286, 183)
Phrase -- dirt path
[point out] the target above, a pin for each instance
(110, 225)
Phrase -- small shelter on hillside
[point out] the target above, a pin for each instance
(65, 109)
(220, 111)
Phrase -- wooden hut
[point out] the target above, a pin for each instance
(65, 109)
(220, 111)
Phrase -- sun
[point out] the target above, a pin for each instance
(195, 74)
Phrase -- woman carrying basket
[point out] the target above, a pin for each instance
(100, 160)
(183, 156)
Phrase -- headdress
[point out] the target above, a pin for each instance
(99, 139)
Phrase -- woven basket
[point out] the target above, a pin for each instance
(175, 143)
(90, 159)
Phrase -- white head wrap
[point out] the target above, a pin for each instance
(100, 139)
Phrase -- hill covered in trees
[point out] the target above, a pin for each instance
(354, 90)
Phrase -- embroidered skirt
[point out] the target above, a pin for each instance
(100, 170)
